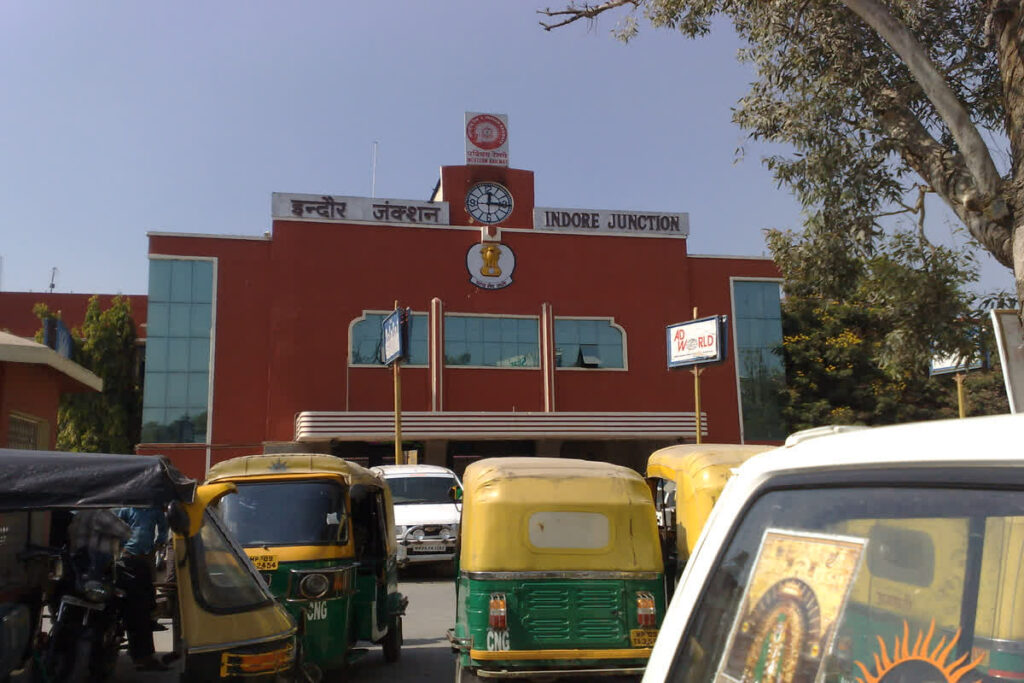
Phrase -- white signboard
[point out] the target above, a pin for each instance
(941, 365)
(486, 139)
(490, 265)
(608, 222)
(335, 208)
(697, 341)
(1010, 339)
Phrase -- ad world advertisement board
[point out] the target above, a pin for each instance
(697, 341)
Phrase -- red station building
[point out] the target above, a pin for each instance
(533, 330)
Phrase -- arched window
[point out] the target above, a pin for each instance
(589, 343)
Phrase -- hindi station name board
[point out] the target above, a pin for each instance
(335, 208)
(697, 341)
(610, 222)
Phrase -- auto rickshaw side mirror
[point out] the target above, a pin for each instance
(205, 497)
(177, 517)
(455, 493)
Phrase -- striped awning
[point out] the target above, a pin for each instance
(314, 426)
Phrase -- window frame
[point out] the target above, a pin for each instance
(587, 368)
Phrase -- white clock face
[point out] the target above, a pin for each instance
(489, 203)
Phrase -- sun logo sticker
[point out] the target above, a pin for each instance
(918, 663)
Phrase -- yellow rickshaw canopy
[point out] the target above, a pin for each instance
(279, 466)
(506, 500)
(694, 460)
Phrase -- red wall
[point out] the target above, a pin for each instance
(284, 306)
(34, 390)
(16, 310)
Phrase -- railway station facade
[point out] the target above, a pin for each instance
(533, 331)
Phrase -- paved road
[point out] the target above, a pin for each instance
(426, 656)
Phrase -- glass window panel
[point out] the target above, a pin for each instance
(492, 353)
(527, 330)
(198, 390)
(154, 390)
(455, 328)
(202, 282)
(588, 331)
(474, 329)
(159, 280)
(200, 319)
(154, 416)
(758, 328)
(611, 356)
(198, 354)
(510, 354)
(609, 335)
(456, 353)
(177, 354)
(178, 325)
(181, 281)
(508, 328)
(157, 316)
(177, 390)
(418, 328)
(567, 332)
(156, 355)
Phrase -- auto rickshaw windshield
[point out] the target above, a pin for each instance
(223, 581)
(305, 513)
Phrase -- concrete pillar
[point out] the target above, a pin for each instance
(435, 452)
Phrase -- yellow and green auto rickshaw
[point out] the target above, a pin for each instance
(321, 531)
(227, 625)
(559, 570)
(686, 480)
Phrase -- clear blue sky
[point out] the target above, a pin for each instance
(119, 118)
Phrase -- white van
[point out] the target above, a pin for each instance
(882, 554)
(426, 517)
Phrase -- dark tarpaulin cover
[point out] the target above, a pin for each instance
(33, 480)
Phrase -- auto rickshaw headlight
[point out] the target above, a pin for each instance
(448, 532)
(314, 586)
(418, 534)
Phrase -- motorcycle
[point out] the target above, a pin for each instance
(86, 610)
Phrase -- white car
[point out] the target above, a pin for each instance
(882, 554)
(426, 517)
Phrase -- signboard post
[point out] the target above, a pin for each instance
(943, 365)
(695, 343)
(394, 341)
(1010, 339)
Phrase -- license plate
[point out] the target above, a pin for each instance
(264, 563)
(642, 637)
(428, 548)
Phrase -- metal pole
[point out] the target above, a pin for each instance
(696, 392)
(961, 403)
(399, 456)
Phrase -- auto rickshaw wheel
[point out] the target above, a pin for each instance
(464, 675)
(393, 641)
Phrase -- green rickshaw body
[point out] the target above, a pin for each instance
(560, 569)
(331, 561)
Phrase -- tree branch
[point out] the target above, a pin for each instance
(968, 139)
(585, 11)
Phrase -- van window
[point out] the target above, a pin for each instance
(421, 490)
(870, 584)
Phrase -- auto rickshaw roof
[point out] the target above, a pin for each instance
(276, 464)
(504, 498)
(674, 462)
(576, 479)
(52, 480)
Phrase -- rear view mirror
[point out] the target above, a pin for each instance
(455, 493)
(177, 518)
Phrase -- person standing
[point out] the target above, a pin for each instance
(149, 531)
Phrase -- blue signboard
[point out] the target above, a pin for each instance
(393, 336)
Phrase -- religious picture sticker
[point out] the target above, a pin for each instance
(794, 599)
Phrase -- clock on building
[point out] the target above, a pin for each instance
(489, 203)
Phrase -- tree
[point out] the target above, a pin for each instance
(106, 422)
(881, 99)
(858, 334)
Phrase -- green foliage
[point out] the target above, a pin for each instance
(859, 333)
(106, 422)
